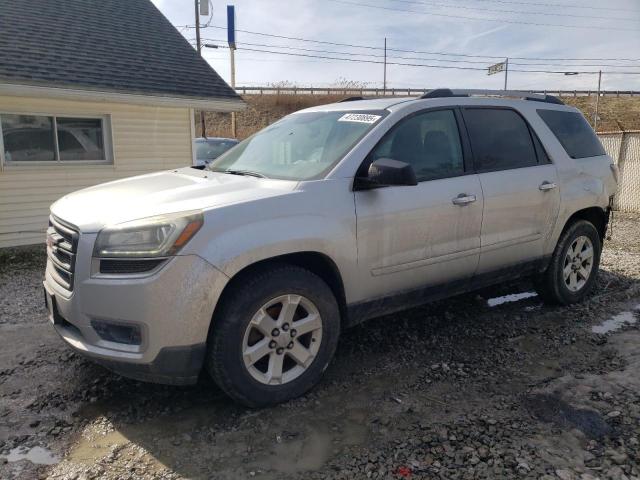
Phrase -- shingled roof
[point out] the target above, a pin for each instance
(120, 46)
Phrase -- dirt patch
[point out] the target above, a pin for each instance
(492, 384)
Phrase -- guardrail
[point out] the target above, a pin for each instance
(409, 92)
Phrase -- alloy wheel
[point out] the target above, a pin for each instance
(578, 263)
(282, 339)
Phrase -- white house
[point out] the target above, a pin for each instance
(92, 91)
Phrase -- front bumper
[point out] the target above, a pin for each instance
(171, 309)
(172, 366)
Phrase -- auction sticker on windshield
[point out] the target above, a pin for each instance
(359, 117)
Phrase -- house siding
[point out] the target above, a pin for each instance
(145, 139)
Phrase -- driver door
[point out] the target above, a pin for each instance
(410, 237)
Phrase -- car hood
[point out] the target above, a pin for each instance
(181, 190)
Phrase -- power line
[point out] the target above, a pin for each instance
(356, 60)
(266, 60)
(334, 52)
(553, 14)
(455, 67)
(559, 5)
(370, 47)
(500, 20)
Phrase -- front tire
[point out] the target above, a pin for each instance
(572, 272)
(273, 336)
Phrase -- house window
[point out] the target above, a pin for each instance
(28, 139)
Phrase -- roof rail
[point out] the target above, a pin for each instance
(536, 97)
(350, 99)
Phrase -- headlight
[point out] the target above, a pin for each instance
(150, 237)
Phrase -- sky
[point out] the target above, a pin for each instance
(477, 32)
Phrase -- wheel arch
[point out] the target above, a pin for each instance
(597, 216)
(316, 262)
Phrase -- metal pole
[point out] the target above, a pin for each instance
(203, 125)
(384, 80)
(506, 72)
(198, 45)
(233, 85)
(595, 117)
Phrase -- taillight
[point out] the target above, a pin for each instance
(616, 171)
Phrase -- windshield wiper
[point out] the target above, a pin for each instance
(246, 173)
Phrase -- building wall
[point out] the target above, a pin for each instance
(145, 139)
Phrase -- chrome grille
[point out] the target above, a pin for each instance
(62, 245)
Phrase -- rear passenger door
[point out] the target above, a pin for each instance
(519, 185)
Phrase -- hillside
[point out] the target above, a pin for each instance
(615, 113)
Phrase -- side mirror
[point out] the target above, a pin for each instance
(386, 172)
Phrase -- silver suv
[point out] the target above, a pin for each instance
(251, 267)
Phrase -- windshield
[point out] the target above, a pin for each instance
(210, 149)
(301, 146)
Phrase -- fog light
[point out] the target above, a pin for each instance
(112, 332)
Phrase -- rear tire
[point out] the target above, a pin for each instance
(255, 354)
(574, 265)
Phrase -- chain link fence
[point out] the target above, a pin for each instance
(624, 148)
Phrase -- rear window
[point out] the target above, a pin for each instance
(574, 133)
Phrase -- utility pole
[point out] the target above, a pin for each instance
(232, 57)
(506, 72)
(595, 116)
(384, 78)
(231, 39)
(203, 126)
(198, 46)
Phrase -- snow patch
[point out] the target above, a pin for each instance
(616, 322)
(514, 297)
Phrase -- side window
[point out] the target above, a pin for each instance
(28, 138)
(574, 133)
(543, 158)
(429, 142)
(32, 138)
(500, 139)
(80, 138)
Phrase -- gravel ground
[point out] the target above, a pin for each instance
(457, 389)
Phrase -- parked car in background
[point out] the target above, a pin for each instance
(210, 148)
(335, 214)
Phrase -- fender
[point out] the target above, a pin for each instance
(581, 191)
(239, 235)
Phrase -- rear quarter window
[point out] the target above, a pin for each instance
(574, 133)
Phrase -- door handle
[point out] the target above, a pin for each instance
(547, 186)
(464, 199)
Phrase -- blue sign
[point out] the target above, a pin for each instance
(231, 26)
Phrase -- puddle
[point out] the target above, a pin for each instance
(617, 321)
(36, 455)
(514, 297)
(552, 409)
(88, 452)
